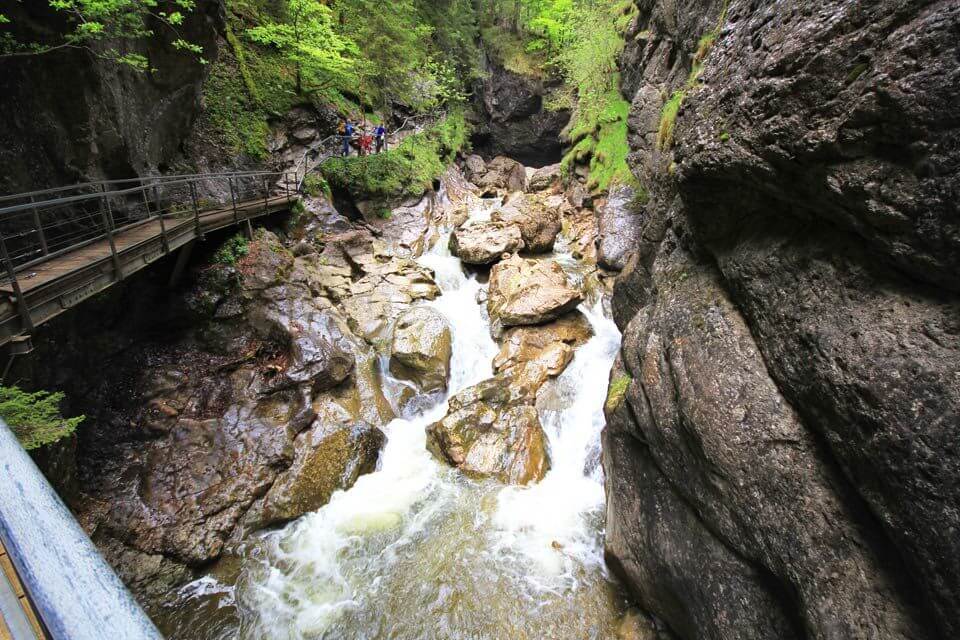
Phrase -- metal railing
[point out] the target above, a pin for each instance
(73, 590)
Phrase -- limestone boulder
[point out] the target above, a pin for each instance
(421, 348)
(544, 178)
(538, 222)
(620, 221)
(529, 292)
(485, 242)
(542, 343)
(503, 174)
(492, 430)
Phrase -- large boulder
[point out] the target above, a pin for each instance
(538, 222)
(485, 242)
(620, 221)
(532, 343)
(421, 348)
(503, 174)
(474, 168)
(525, 292)
(544, 178)
(492, 430)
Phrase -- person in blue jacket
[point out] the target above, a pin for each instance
(346, 130)
(381, 135)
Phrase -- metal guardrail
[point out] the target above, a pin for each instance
(38, 226)
(74, 591)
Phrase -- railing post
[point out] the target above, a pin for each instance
(286, 184)
(36, 222)
(233, 200)
(196, 208)
(22, 307)
(266, 206)
(109, 229)
(163, 227)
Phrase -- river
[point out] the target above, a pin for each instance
(416, 550)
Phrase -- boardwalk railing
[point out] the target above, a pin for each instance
(76, 594)
(67, 243)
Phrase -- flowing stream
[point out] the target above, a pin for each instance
(416, 550)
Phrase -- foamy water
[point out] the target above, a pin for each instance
(415, 550)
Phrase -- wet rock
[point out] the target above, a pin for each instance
(527, 292)
(837, 255)
(503, 174)
(620, 222)
(544, 178)
(474, 168)
(327, 457)
(485, 242)
(526, 344)
(421, 348)
(493, 430)
(538, 222)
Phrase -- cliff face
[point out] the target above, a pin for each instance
(791, 314)
(70, 116)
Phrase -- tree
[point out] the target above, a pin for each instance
(98, 26)
(35, 417)
(308, 40)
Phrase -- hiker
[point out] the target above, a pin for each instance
(366, 143)
(346, 130)
(381, 134)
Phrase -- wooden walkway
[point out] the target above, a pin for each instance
(61, 282)
(14, 629)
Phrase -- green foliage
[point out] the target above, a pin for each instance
(408, 170)
(232, 250)
(315, 185)
(35, 417)
(306, 39)
(106, 24)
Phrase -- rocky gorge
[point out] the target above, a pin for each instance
(716, 400)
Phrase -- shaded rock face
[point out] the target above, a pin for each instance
(422, 348)
(90, 118)
(527, 292)
(790, 324)
(619, 222)
(485, 242)
(493, 429)
(514, 122)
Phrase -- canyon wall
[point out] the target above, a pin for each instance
(70, 115)
(781, 448)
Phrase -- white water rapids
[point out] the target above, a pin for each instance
(415, 550)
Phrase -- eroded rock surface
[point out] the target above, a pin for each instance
(421, 348)
(538, 221)
(619, 221)
(485, 242)
(526, 292)
(793, 277)
(493, 429)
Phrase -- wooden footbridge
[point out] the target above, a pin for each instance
(61, 246)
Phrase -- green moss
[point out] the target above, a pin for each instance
(617, 391)
(408, 170)
(232, 250)
(513, 52)
(35, 417)
(668, 119)
(856, 72)
(724, 137)
(599, 138)
(315, 185)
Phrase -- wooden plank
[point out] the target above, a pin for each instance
(10, 575)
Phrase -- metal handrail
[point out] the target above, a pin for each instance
(74, 591)
(100, 183)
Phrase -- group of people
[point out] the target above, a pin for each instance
(365, 141)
